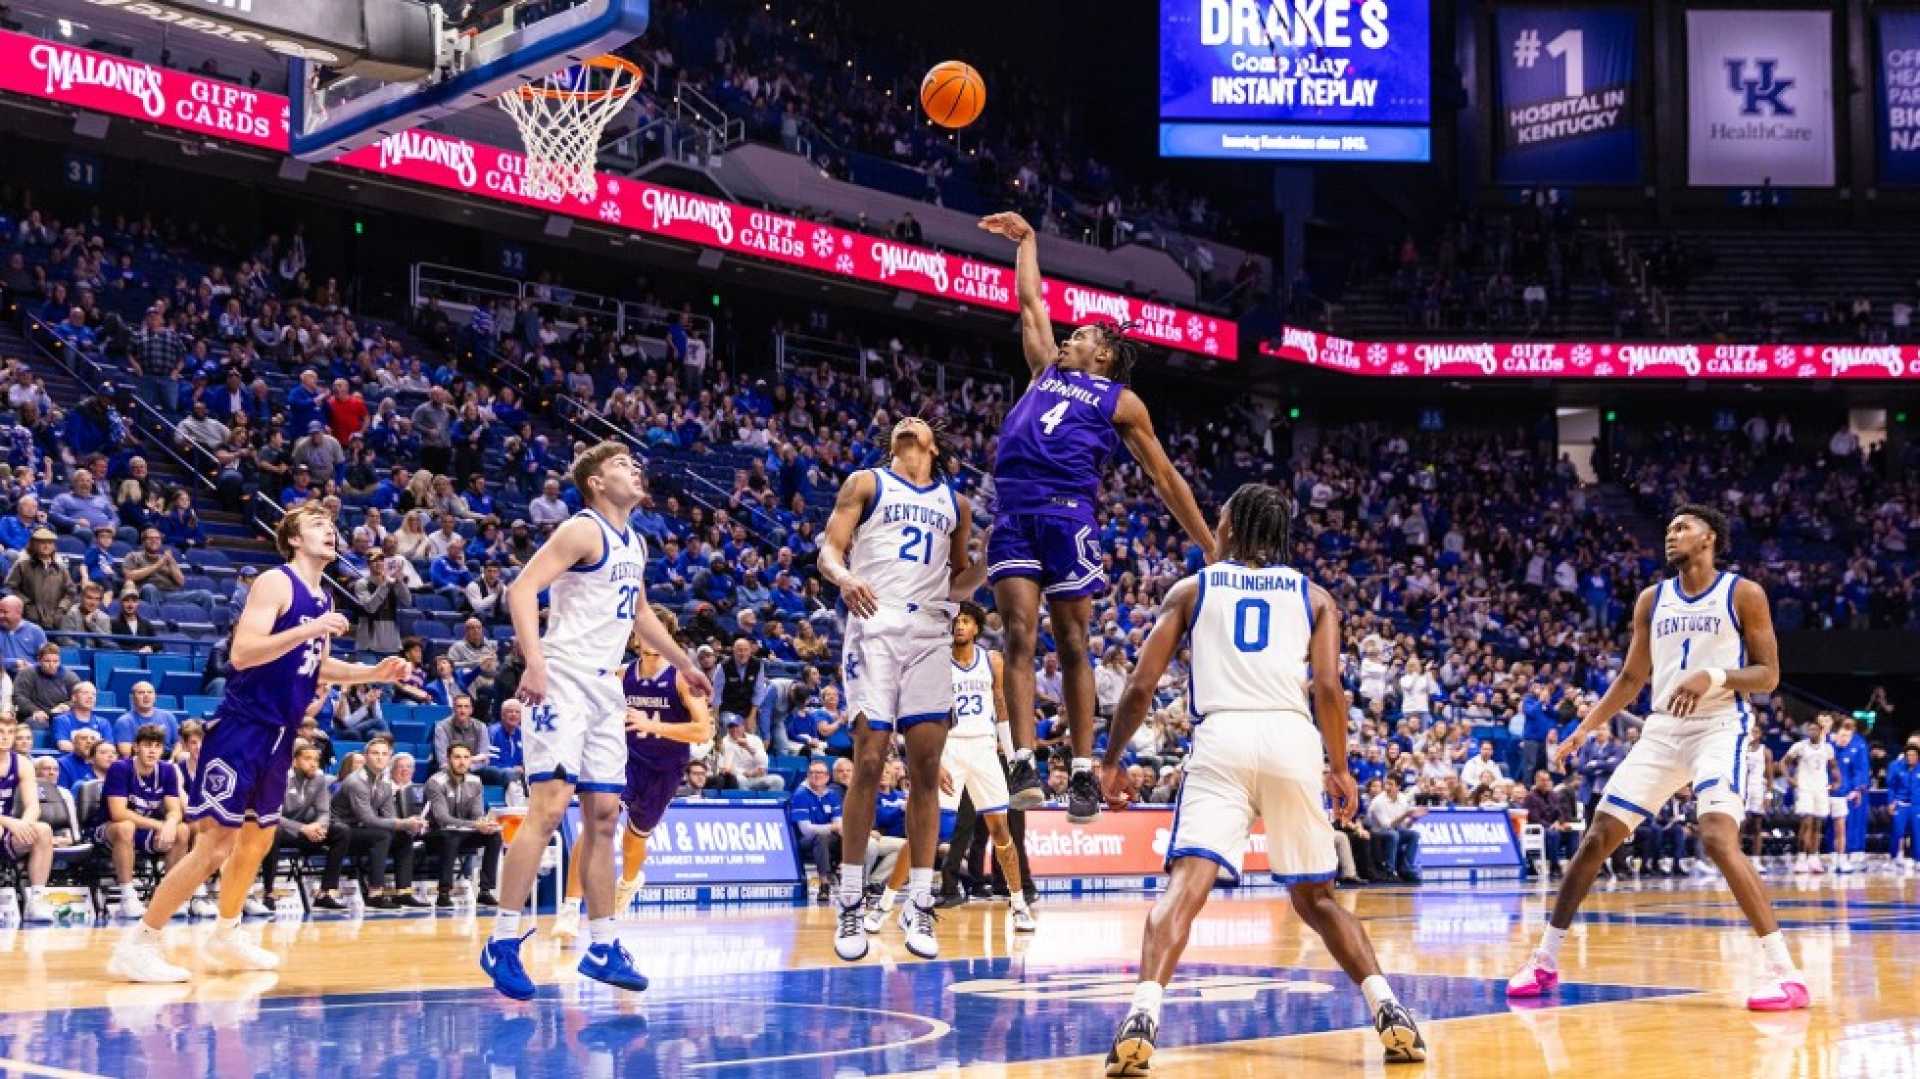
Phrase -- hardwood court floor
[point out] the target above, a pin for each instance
(1654, 985)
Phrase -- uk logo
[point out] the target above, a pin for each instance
(542, 716)
(1765, 88)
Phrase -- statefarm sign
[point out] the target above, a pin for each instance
(205, 106)
(1592, 359)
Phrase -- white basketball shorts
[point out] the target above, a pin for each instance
(1811, 800)
(973, 763)
(579, 732)
(1836, 806)
(898, 666)
(1673, 752)
(1255, 764)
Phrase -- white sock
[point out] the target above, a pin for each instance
(1773, 947)
(506, 925)
(145, 934)
(128, 891)
(920, 886)
(1375, 988)
(572, 904)
(1017, 899)
(1146, 998)
(853, 884)
(1023, 754)
(887, 896)
(1550, 941)
(35, 892)
(1081, 764)
(601, 930)
(200, 892)
(226, 925)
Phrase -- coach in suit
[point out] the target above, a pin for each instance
(457, 810)
(307, 827)
(371, 808)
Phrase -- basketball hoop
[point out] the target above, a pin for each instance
(561, 117)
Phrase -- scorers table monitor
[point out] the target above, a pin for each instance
(1296, 80)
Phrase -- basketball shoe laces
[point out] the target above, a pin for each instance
(852, 920)
(924, 919)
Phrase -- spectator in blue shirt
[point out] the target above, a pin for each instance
(444, 686)
(17, 530)
(141, 714)
(75, 331)
(76, 767)
(20, 640)
(80, 716)
(450, 573)
(82, 507)
(815, 812)
(509, 753)
(1596, 762)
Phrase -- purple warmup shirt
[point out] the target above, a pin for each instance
(1056, 443)
(279, 692)
(660, 699)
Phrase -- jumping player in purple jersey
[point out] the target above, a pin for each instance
(280, 660)
(664, 722)
(1058, 440)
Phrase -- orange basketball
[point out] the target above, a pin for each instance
(953, 94)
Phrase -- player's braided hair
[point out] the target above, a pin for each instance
(1714, 519)
(1125, 350)
(1260, 525)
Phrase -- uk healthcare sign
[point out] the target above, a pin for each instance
(1593, 359)
(1898, 115)
(1760, 98)
(1568, 102)
(210, 107)
(1295, 80)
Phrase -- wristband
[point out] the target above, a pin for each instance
(1716, 677)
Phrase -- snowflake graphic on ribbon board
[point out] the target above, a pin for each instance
(843, 264)
(609, 211)
(1194, 328)
(1582, 355)
(1785, 356)
(822, 243)
(1377, 352)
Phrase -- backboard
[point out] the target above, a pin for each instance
(480, 56)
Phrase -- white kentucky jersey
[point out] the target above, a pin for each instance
(1810, 761)
(590, 608)
(901, 546)
(1693, 632)
(1249, 636)
(973, 711)
(1756, 766)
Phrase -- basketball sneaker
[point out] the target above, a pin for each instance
(624, 890)
(1783, 993)
(1132, 1052)
(230, 951)
(1022, 919)
(1536, 979)
(1399, 1034)
(612, 964)
(879, 905)
(137, 959)
(1023, 786)
(254, 908)
(130, 907)
(918, 921)
(850, 933)
(500, 960)
(566, 920)
(202, 907)
(39, 911)
(1083, 798)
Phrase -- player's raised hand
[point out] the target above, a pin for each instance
(859, 598)
(392, 669)
(1563, 752)
(1011, 225)
(1343, 792)
(1116, 786)
(331, 624)
(1686, 697)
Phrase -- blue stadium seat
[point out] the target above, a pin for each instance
(197, 706)
(105, 663)
(183, 684)
(176, 613)
(121, 680)
(431, 602)
(170, 661)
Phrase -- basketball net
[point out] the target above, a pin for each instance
(560, 118)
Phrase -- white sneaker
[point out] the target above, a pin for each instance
(136, 960)
(850, 934)
(39, 912)
(918, 922)
(566, 920)
(233, 951)
(254, 908)
(131, 909)
(878, 907)
(624, 890)
(202, 907)
(1022, 919)
(1816, 865)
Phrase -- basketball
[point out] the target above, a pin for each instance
(953, 94)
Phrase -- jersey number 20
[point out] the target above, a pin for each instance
(629, 599)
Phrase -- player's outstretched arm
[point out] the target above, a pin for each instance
(255, 642)
(1762, 671)
(340, 672)
(856, 494)
(1633, 676)
(1135, 425)
(1036, 329)
(1158, 651)
(648, 627)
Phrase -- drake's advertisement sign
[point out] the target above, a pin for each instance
(220, 110)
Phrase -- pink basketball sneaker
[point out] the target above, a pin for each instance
(1775, 995)
(1535, 979)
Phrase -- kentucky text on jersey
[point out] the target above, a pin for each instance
(896, 512)
(1250, 582)
(626, 571)
(1687, 623)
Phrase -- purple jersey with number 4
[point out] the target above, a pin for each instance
(654, 764)
(1055, 445)
(249, 747)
